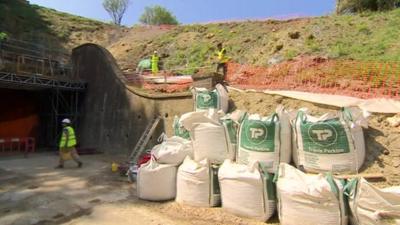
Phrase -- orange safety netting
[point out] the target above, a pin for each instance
(364, 79)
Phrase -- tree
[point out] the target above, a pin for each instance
(157, 15)
(353, 6)
(116, 9)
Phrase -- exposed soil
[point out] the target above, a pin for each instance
(364, 79)
(382, 140)
(37, 194)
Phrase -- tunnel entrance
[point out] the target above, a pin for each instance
(37, 114)
(38, 88)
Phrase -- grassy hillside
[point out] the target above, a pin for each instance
(369, 36)
(49, 27)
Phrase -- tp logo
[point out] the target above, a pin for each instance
(206, 98)
(322, 134)
(256, 132)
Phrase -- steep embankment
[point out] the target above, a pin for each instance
(369, 36)
(51, 28)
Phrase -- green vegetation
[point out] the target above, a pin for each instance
(157, 15)
(45, 26)
(366, 36)
(352, 6)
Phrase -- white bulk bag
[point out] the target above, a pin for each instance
(197, 184)
(189, 119)
(156, 182)
(231, 128)
(247, 190)
(172, 150)
(309, 199)
(210, 142)
(260, 140)
(332, 143)
(216, 99)
(179, 130)
(373, 206)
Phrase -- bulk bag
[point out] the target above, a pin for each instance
(197, 184)
(260, 140)
(179, 130)
(215, 99)
(332, 143)
(373, 206)
(156, 182)
(309, 199)
(231, 129)
(247, 190)
(210, 142)
(172, 150)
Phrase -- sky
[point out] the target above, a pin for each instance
(199, 11)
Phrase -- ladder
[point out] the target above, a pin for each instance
(144, 139)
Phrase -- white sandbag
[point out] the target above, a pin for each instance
(260, 140)
(216, 99)
(156, 182)
(309, 199)
(247, 190)
(231, 129)
(210, 142)
(189, 119)
(331, 142)
(373, 206)
(172, 150)
(197, 184)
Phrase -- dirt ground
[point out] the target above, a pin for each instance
(32, 192)
(382, 140)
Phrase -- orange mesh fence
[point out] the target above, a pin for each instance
(363, 79)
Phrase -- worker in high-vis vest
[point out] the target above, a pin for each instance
(67, 145)
(222, 59)
(154, 63)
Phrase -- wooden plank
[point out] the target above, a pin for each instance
(365, 176)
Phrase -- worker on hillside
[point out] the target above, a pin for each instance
(67, 144)
(154, 63)
(222, 59)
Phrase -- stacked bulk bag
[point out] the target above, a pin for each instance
(210, 142)
(247, 190)
(372, 206)
(309, 199)
(173, 150)
(215, 99)
(179, 130)
(261, 138)
(156, 182)
(208, 136)
(197, 184)
(330, 143)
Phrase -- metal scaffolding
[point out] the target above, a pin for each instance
(31, 67)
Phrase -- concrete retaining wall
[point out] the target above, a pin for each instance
(114, 116)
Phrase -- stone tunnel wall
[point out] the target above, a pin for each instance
(113, 115)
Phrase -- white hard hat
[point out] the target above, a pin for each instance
(155, 52)
(66, 120)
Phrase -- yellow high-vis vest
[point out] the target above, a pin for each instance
(154, 64)
(221, 56)
(70, 140)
